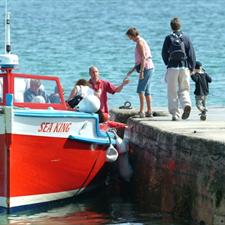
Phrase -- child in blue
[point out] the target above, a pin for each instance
(201, 79)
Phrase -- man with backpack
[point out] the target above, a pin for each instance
(179, 56)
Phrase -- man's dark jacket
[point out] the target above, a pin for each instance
(190, 53)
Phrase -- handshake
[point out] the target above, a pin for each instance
(125, 81)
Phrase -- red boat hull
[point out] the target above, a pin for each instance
(46, 165)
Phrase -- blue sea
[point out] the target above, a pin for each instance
(65, 37)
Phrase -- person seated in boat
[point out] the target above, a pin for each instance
(102, 88)
(80, 90)
(35, 93)
(85, 99)
(55, 97)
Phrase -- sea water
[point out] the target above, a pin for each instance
(99, 207)
(65, 37)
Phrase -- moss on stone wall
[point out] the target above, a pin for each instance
(184, 199)
(217, 187)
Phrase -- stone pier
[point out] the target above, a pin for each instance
(179, 166)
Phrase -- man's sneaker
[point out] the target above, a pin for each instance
(140, 115)
(186, 113)
(148, 114)
(203, 116)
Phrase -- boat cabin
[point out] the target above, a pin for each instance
(32, 91)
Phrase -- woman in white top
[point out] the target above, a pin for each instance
(83, 97)
(82, 89)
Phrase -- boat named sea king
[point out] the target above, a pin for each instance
(47, 152)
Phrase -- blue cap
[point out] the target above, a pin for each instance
(198, 65)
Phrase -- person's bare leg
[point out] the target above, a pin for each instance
(148, 102)
(142, 99)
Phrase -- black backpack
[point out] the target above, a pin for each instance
(74, 101)
(177, 48)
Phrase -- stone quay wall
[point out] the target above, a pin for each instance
(176, 170)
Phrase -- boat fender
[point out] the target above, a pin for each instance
(121, 144)
(111, 154)
(125, 168)
(89, 104)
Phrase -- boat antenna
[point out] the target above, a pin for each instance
(7, 29)
(8, 61)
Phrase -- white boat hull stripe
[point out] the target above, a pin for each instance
(35, 199)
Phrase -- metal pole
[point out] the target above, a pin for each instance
(7, 29)
(8, 43)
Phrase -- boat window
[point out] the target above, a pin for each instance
(20, 86)
(36, 91)
(1, 89)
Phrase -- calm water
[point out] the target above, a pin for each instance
(105, 207)
(65, 37)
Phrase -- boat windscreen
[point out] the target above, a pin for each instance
(36, 91)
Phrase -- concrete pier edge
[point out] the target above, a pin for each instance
(179, 165)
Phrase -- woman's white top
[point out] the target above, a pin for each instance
(84, 91)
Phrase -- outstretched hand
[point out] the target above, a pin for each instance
(125, 81)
